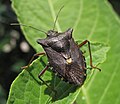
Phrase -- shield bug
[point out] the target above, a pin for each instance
(64, 56)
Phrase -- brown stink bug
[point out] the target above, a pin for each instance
(64, 56)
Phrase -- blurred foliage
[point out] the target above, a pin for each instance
(2, 96)
(95, 25)
(14, 58)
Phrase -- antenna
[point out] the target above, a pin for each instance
(57, 17)
(17, 24)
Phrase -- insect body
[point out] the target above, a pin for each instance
(64, 56)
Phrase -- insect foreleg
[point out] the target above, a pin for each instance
(39, 76)
(33, 57)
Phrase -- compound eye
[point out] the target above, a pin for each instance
(51, 33)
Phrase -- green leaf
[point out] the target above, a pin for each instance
(2, 96)
(27, 88)
(94, 21)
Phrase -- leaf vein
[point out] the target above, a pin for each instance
(86, 95)
(94, 25)
(109, 83)
(53, 14)
(40, 94)
(117, 99)
(79, 15)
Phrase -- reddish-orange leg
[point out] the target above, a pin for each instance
(83, 43)
(41, 73)
(35, 55)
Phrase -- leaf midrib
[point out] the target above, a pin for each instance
(75, 24)
(52, 10)
(109, 83)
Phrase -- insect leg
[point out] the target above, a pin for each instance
(83, 43)
(39, 76)
(35, 55)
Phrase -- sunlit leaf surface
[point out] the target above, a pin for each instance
(94, 21)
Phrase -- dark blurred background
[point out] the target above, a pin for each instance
(15, 51)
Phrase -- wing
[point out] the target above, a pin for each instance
(56, 61)
(75, 75)
(76, 55)
(77, 72)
